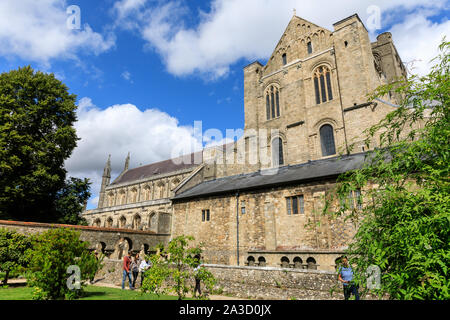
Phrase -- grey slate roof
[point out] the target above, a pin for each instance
(162, 167)
(309, 171)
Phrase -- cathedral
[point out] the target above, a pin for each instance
(257, 201)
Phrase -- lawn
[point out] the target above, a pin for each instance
(91, 293)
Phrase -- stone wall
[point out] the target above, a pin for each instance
(109, 240)
(262, 283)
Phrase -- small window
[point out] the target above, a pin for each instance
(284, 59)
(295, 205)
(310, 50)
(205, 215)
(243, 207)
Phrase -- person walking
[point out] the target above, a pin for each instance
(346, 277)
(127, 270)
(197, 277)
(136, 261)
(142, 268)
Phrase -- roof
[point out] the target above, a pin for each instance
(310, 171)
(162, 167)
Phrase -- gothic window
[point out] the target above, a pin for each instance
(97, 222)
(146, 193)
(122, 222)
(133, 195)
(327, 140)
(272, 103)
(109, 222)
(322, 85)
(136, 222)
(277, 152)
(284, 59)
(310, 50)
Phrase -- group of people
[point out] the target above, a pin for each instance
(133, 265)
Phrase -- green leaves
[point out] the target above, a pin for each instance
(52, 253)
(36, 135)
(404, 222)
(173, 269)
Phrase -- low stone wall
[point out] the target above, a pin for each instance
(105, 238)
(262, 283)
(276, 283)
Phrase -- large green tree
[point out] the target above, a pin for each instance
(37, 114)
(404, 222)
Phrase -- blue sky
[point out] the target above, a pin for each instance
(145, 70)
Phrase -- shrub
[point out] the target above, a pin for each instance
(13, 246)
(53, 252)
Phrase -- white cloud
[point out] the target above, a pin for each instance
(249, 29)
(37, 31)
(150, 135)
(417, 40)
(127, 76)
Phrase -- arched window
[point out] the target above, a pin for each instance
(272, 103)
(322, 85)
(250, 261)
(284, 59)
(109, 222)
(136, 222)
(327, 140)
(311, 262)
(97, 222)
(309, 45)
(298, 262)
(262, 261)
(285, 262)
(277, 152)
(122, 222)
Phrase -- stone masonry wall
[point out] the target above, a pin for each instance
(262, 283)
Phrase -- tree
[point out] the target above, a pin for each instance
(404, 221)
(173, 269)
(53, 252)
(37, 114)
(70, 199)
(13, 246)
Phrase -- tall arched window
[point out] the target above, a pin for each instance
(277, 152)
(284, 59)
(272, 102)
(322, 85)
(327, 140)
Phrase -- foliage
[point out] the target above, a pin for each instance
(52, 253)
(70, 199)
(13, 246)
(37, 114)
(172, 269)
(404, 222)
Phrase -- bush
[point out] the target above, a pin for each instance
(53, 252)
(13, 246)
(173, 269)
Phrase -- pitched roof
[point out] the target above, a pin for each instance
(309, 171)
(162, 167)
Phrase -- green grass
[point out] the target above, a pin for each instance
(91, 293)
